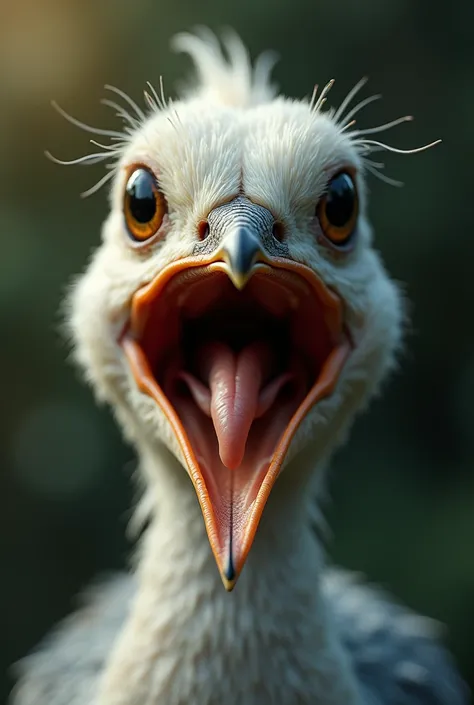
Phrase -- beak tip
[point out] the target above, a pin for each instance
(229, 575)
(229, 584)
(239, 279)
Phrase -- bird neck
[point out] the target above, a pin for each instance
(187, 640)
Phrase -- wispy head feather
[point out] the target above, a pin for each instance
(226, 76)
(132, 117)
(230, 80)
(344, 117)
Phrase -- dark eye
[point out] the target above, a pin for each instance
(144, 205)
(338, 209)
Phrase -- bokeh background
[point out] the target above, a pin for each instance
(402, 504)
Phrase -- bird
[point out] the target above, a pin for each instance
(236, 316)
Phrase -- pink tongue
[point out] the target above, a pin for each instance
(235, 381)
(234, 391)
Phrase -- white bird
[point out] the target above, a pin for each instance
(236, 316)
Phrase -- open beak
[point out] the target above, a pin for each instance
(235, 346)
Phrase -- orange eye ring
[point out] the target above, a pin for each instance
(144, 205)
(338, 209)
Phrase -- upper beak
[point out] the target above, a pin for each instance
(241, 237)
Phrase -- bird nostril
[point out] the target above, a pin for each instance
(278, 232)
(203, 229)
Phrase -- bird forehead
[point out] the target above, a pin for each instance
(187, 129)
(197, 135)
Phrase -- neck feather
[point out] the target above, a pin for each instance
(187, 640)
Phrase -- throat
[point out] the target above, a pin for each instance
(188, 640)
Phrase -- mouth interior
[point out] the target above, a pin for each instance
(235, 366)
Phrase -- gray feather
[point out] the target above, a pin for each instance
(395, 654)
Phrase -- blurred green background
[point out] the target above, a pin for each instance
(402, 505)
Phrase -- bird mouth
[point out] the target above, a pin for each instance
(235, 370)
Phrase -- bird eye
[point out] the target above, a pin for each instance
(338, 208)
(144, 205)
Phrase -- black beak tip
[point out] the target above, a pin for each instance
(229, 572)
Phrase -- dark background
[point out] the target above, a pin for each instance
(402, 505)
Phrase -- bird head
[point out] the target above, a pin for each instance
(236, 311)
